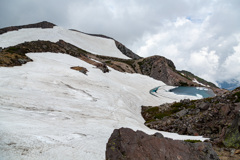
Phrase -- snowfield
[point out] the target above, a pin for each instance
(92, 44)
(49, 111)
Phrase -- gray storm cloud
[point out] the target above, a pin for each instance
(201, 36)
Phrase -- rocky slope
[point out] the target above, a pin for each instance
(216, 118)
(16, 55)
(125, 144)
(156, 67)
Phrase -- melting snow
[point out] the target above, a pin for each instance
(93, 44)
(194, 80)
(49, 111)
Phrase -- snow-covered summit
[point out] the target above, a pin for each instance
(92, 44)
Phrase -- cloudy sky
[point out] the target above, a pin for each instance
(201, 36)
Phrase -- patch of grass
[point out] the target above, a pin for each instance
(11, 59)
(150, 120)
(161, 115)
(208, 99)
(183, 75)
(193, 106)
(12, 49)
(152, 110)
(175, 110)
(192, 141)
(176, 105)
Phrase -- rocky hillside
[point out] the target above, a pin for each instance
(156, 67)
(217, 118)
(197, 79)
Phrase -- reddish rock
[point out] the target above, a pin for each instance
(225, 109)
(125, 144)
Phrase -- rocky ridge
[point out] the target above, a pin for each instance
(157, 67)
(43, 24)
(16, 55)
(127, 52)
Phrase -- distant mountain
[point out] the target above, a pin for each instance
(229, 85)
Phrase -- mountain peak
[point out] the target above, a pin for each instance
(43, 24)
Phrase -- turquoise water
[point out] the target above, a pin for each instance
(153, 91)
(193, 91)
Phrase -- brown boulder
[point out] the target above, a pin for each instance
(225, 109)
(125, 144)
(203, 106)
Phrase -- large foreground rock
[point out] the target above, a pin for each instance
(124, 144)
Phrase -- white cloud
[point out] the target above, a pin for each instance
(207, 46)
(231, 66)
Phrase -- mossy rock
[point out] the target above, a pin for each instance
(232, 136)
(232, 139)
(192, 141)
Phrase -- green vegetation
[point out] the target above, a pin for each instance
(152, 110)
(150, 120)
(183, 83)
(176, 105)
(141, 62)
(237, 95)
(192, 141)
(192, 76)
(161, 115)
(183, 75)
(174, 108)
(12, 49)
(232, 138)
(180, 105)
(210, 99)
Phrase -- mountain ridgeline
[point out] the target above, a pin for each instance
(157, 67)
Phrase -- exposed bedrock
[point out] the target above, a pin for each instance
(125, 144)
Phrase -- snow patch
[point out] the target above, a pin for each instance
(49, 111)
(92, 44)
(194, 80)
